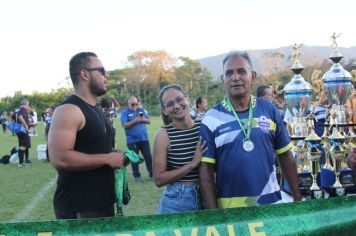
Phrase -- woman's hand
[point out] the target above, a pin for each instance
(199, 151)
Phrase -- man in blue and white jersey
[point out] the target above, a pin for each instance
(243, 134)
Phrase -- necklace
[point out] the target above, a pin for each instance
(101, 120)
(95, 111)
(247, 144)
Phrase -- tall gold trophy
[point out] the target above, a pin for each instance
(298, 96)
(337, 84)
(298, 93)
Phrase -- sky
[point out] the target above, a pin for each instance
(39, 37)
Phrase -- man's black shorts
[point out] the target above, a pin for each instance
(24, 140)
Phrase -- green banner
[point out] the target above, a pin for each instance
(336, 216)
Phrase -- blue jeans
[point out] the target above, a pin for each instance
(144, 147)
(179, 197)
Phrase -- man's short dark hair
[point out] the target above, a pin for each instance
(77, 63)
(261, 90)
(104, 103)
(198, 102)
(233, 54)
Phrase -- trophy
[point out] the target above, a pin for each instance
(337, 155)
(298, 96)
(313, 155)
(326, 146)
(337, 83)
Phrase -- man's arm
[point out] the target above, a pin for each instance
(67, 120)
(145, 118)
(207, 185)
(289, 170)
(129, 124)
(23, 122)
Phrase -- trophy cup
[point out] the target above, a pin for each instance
(297, 97)
(337, 155)
(337, 83)
(326, 145)
(313, 155)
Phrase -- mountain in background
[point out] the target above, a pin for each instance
(268, 61)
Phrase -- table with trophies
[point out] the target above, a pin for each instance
(321, 165)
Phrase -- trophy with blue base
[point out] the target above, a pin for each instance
(314, 155)
(337, 84)
(298, 93)
(337, 154)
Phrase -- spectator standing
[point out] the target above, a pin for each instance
(48, 120)
(201, 106)
(21, 117)
(243, 134)
(134, 120)
(33, 123)
(79, 144)
(265, 92)
(351, 105)
(4, 122)
(110, 111)
(13, 118)
(280, 103)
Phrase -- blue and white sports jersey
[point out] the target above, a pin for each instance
(320, 116)
(245, 178)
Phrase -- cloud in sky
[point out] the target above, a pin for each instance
(40, 36)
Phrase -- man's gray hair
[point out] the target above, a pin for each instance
(24, 101)
(233, 54)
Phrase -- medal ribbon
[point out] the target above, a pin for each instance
(249, 122)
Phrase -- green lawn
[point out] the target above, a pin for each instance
(22, 198)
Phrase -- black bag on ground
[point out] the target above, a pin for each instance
(5, 159)
(126, 196)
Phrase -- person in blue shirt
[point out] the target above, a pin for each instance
(134, 120)
(243, 134)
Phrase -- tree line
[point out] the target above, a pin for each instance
(144, 76)
(148, 71)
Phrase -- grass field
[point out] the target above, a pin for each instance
(26, 194)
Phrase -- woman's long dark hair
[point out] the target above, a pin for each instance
(167, 119)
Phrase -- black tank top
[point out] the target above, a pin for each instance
(93, 189)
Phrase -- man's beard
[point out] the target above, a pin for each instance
(95, 90)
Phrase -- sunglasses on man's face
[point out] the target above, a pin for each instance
(100, 69)
(134, 104)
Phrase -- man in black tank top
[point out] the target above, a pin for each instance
(79, 144)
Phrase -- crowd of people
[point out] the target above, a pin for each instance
(206, 158)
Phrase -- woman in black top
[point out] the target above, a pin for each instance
(177, 153)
